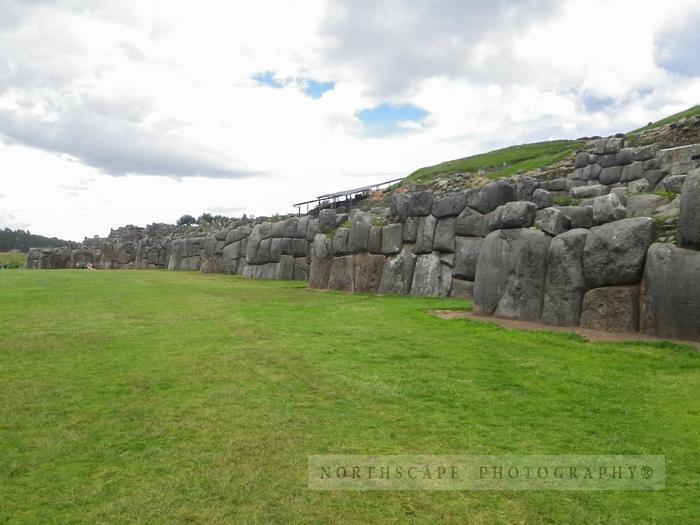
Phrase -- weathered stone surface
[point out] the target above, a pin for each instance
(466, 257)
(558, 184)
(690, 211)
(445, 235)
(645, 152)
(427, 276)
(312, 230)
(564, 282)
(625, 156)
(286, 268)
(520, 214)
(397, 274)
(231, 255)
(613, 145)
(525, 188)
(552, 221)
(670, 304)
(608, 208)
(632, 171)
(611, 175)
(302, 226)
(340, 241)
(410, 229)
(321, 261)
(654, 177)
(290, 227)
(287, 246)
(426, 234)
(580, 216)
(326, 220)
(613, 309)
(268, 271)
(582, 159)
(491, 196)
(277, 230)
(265, 230)
(236, 234)
(399, 207)
(375, 239)
(587, 192)
(462, 289)
(368, 272)
(253, 247)
(674, 183)
(300, 248)
(450, 205)
(644, 205)
(302, 268)
(542, 199)
(392, 239)
(342, 276)
(420, 204)
(510, 274)
(470, 223)
(638, 186)
(358, 240)
(275, 249)
(614, 253)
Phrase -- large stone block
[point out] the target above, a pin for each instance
(670, 293)
(491, 196)
(427, 276)
(326, 220)
(466, 257)
(368, 272)
(321, 261)
(410, 229)
(588, 192)
(451, 205)
(300, 248)
(275, 249)
(399, 206)
(374, 244)
(264, 251)
(340, 241)
(445, 235)
(253, 246)
(277, 231)
(470, 223)
(312, 230)
(302, 226)
(358, 241)
(397, 274)
(613, 309)
(690, 211)
(608, 208)
(580, 216)
(520, 214)
(392, 238)
(426, 234)
(564, 282)
(286, 267)
(302, 269)
(614, 253)
(420, 204)
(510, 274)
(342, 276)
(552, 221)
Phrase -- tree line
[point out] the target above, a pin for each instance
(22, 240)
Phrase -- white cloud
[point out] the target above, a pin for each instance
(90, 89)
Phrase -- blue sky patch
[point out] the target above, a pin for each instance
(391, 119)
(316, 88)
(267, 78)
(594, 104)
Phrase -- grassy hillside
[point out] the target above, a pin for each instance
(502, 162)
(695, 110)
(171, 397)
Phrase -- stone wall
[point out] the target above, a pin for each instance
(597, 248)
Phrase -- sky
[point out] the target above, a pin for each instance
(140, 111)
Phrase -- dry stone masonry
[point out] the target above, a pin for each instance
(615, 245)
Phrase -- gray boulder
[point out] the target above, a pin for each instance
(638, 186)
(312, 230)
(426, 234)
(520, 214)
(613, 309)
(674, 183)
(392, 239)
(611, 175)
(450, 205)
(340, 241)
(644, 205)
(470, 223)
(427, 276)
(583, 159)
(587, 192)
(277, 230)
(302, 226)
(375, 239)
(358, 240)
(410, 229)
(690, 211)
(399, 206)
(368, 272)
(420, 204)
(326, 220)
(491, 196)
(510, 274)
(614, 253)
(342, 276)
(445, 235)
(300, 248)
(552, 221)
(264, 251)
(669, 294)
(286, 268)
(608, 208)
(558, 184)
(397, 274)
(275, 249)
(321, 261)
(525, 188)
(542, 199)
(654, 177)
(564, 282)
(632, 171)
(466, 257)
(253, 247)
(580, 216)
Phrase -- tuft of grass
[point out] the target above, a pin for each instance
(180, 397)
(379, 221)
(502, 162)
(347, 225)
(566, 200)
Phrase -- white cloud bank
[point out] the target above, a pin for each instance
(139, 111)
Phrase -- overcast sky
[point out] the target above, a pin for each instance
(138, 111)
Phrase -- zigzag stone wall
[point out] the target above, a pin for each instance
(594, 262)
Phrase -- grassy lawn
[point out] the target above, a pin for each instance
(502, 162)
(12, 260)
(164, 397)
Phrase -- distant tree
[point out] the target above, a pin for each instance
(186, 220)
(205, 218)
(21, 240)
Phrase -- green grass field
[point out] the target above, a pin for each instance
(12, 260)
(502, 162)
(164, 397)
(690, 112)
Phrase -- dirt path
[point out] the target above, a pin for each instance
(595, 336)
